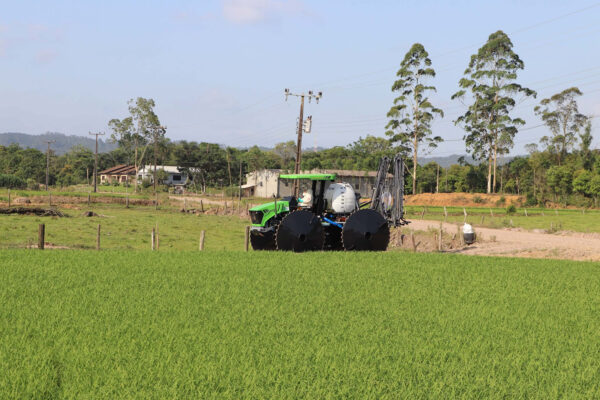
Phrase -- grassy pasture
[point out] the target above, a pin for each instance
(115, 324)
(536, 218)
(126, 229)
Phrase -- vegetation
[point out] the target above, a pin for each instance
(490, 83)
(234, 325)
(565, 169)
(412, 113)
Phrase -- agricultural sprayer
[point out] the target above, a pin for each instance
(334, 218)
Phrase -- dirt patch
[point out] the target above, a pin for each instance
(514, 242)
(40, 212)
(463, 200)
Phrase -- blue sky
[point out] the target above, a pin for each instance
(217, 68)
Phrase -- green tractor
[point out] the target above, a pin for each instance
(330, 216)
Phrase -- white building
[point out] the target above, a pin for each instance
(174, 176)
(266, 182)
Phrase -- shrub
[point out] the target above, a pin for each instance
(501, 201)
(146, 183)
(477, 200)
(32, 184)
(511, 209)
(12, 182)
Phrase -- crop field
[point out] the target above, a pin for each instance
(141, 324)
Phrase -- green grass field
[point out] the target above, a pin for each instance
(537, 218)
(125, 229)
(116, 324)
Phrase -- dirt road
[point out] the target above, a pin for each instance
(516, 242)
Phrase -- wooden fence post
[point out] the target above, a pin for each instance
(41, 236)
(491, 213)
(49, 199)
(525, 212)
(156, 201)
(247, 237)
(185, 204)
(152, 239)
(440, 238)
(201, 243)
(89, 199)
(157, 237)
(201, 206)
(412, 239)
(225, 209)
(423, 213)
(247, 213)
(482, 219)
(98, 238)
(445, 214)
(465, 212)
(8, 198)
(556, 212)
(127, 202)
(460, 236)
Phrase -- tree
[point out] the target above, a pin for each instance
(560, 113)
(490, 83)
(559, 179)
(138, 130)
(286, 151)
(582, 181)
(412, 112)
(585, 152)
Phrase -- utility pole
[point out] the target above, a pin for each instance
(301, 127)
(48, 142)
(96, 161)
(155, 130)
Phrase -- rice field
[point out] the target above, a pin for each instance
(228, 324)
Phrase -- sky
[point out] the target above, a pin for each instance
(217, 69)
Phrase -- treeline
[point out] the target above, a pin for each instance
(562, 167)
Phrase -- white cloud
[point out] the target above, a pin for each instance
(254, 11)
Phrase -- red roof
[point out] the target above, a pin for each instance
(122, 169)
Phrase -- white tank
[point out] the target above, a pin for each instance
(340, 198)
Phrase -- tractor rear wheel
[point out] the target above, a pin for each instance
(300, 231)
(366, 229)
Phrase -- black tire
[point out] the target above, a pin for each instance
(300, 231)
(366, 230)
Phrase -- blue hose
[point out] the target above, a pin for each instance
(332, 222)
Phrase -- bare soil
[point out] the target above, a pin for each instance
(510, 242)
(462, 199)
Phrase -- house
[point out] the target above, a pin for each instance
(121, 173)
(174, 176)
(266, 182)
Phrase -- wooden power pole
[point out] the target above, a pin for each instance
(48, 142)
(301, 127)
(96, 161)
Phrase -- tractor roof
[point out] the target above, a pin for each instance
(312, 177)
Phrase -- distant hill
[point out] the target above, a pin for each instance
(447, 161)
(61, 146)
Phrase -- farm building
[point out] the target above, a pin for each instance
(266, 182)
(120, 173)
(174, 176)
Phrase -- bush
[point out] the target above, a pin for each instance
(32, 184)
(501, 201)
(511, 209)
(146, 183)
(477, 200)
(531, 200)
(12, 182)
